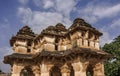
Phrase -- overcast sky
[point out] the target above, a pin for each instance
(38, 14)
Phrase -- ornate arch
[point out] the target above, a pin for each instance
(55, 71)
(27, 71)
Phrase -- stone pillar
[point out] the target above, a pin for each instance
(16, 69)
(36, 70)
(97, 45)
(79, 69)
(65, 70)
(62, 47)
(79, 42)
(37, 74)
(85, 42)
(98, 70)
(92, 44)
(45, 70)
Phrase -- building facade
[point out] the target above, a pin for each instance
(57, 51)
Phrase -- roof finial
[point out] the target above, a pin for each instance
(77, 20)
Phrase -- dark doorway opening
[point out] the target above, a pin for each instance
(27, 71)
(89, 71)
(55, 71)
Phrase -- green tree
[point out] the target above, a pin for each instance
(112, 66)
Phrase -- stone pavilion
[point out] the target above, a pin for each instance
(57, 51)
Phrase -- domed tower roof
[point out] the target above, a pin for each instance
(24, 33)
(48, 30)
(79, 23)
(55, 30)
(60, 27)
(78, 20)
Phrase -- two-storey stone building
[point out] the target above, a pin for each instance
(57, 51)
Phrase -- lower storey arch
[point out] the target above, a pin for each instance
(55, 71)
(27, 71)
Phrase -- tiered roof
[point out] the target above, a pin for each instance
(58, 30)
(79, 23)
(24, 34)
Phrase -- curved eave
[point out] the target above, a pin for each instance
(71, 54)
(16, 56)
(60, 56)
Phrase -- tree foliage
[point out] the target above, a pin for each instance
(112, 66)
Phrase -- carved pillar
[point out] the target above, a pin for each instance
(36, 71)
(79, 42)
(79, 68)
(85, 38)
(85, 42)
(92, 44)
(62, 47)
(97, 45)
(16, 69)
(45, 70)
(98, 70)
(65, 70)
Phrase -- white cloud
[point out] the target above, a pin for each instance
(39, 20)
(65, 6)
(107, 11)
(4, 51)
(87, 13)
(5, 24)
(115, 24)
(25, 14)
(106, 38)
(62, 6)
(48, 4)
(23, 1)
(93, 12)
(42, 19)
(4, 28)
(38, 3)
(91, 19)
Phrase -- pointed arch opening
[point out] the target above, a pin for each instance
(89, 71)
(27, 71)
(55, 71)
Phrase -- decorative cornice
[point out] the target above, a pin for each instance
(61, 56)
